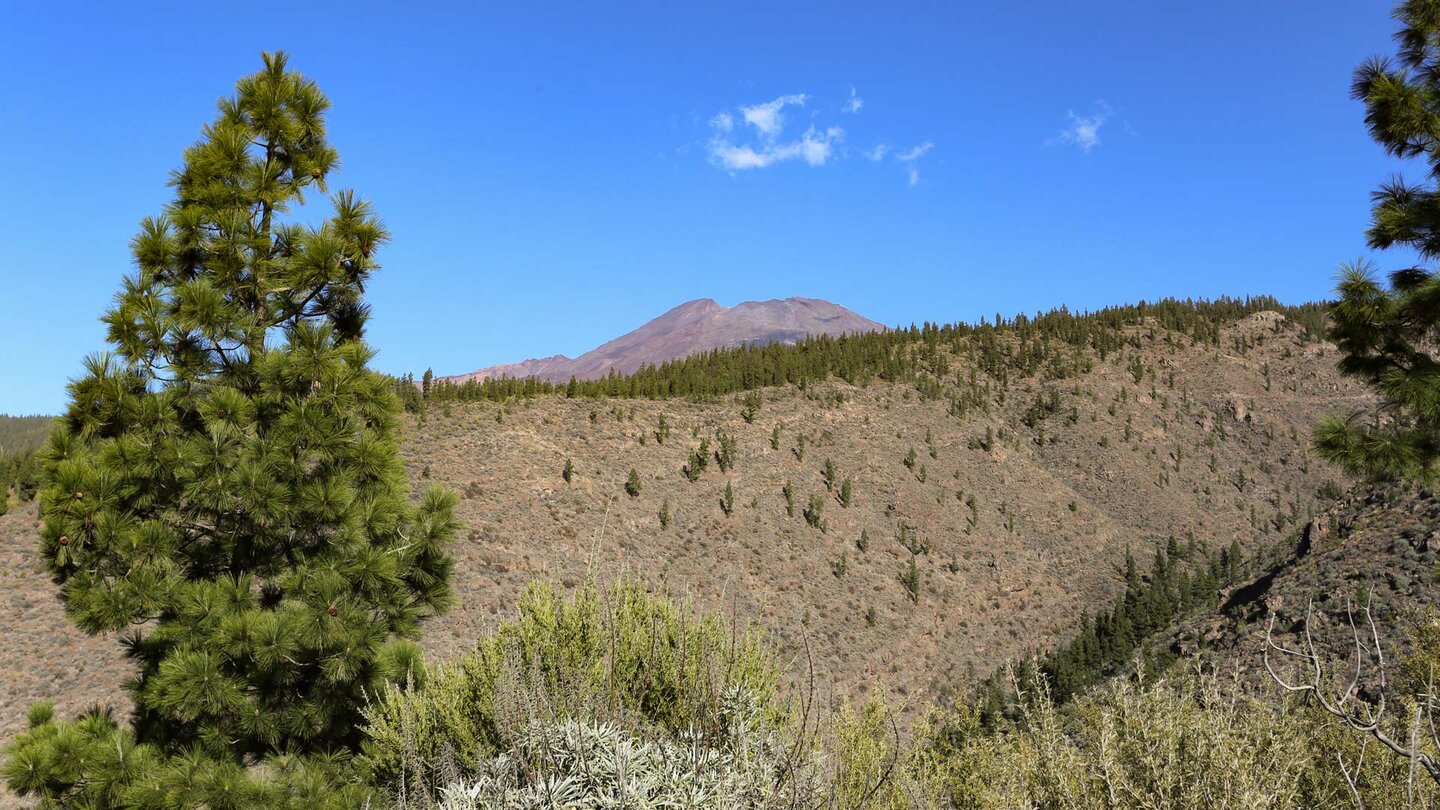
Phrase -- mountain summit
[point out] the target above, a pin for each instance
(694, 326)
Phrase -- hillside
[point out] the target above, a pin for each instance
(1016, 535)
(695, 326)
(1377, 544)
(21, 433)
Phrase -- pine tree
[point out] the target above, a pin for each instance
(751, 407)
(911, 580)
(633, 484)
(725, 455)
(225, 485)
(699, 460)
(1385, 334)
(815, 512)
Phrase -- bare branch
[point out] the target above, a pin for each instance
(1365, 717)
(1350, 782)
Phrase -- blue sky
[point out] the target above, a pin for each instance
(555, 175)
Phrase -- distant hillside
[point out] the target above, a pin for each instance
(20, 433)
(692, 327)
(962, 497)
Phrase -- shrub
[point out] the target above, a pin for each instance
(872, 769)
(625, 656)
(599, 764)
(1188, 744)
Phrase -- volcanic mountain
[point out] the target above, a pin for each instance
(694, 326)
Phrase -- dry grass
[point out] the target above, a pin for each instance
(1050, 526)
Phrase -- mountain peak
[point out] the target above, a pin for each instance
(694, 326)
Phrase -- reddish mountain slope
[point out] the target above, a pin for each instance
(695, 326)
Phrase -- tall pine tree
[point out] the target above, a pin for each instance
(1387, 333)
(225, 485)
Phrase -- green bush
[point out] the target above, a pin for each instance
(1191, 742)
(623, 655)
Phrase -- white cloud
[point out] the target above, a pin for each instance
(734, 147)
(735, 158)
(909, 157)
(916, 153)
(768, 118)
(815, 146)
(1084, 130)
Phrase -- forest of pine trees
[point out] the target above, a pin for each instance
(19, 468)
(1051, 344)
(1181, 581)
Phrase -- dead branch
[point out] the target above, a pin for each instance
(1346, 704)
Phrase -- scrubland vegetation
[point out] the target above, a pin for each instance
(624, 697)
(226, 489)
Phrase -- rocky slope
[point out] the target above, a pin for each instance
(1377, 545)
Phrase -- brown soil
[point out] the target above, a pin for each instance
(1221, 453)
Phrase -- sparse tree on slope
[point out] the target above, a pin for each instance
(1387, 332)
(225, 486)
